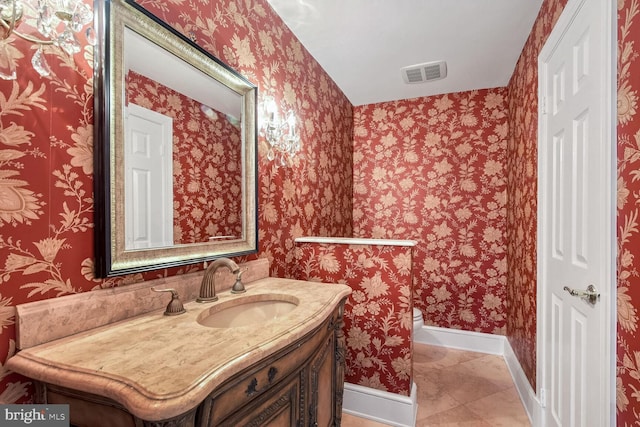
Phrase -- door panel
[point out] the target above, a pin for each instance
(148, 179)
(575, 230)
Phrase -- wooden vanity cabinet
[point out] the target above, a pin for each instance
(300, 385)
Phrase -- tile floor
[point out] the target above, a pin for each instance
(460, 388)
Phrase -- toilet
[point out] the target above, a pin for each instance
(418, 321)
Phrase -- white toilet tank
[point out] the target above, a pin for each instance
(418, 321)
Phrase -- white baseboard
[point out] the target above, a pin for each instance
(527, 393)
(490, 344)
(461, 340)
(381, 406)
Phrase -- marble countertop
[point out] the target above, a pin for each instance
(160, 366)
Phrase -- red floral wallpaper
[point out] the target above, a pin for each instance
(46, 178)
(433, 170)
(46, 158)
(206, 199)
(377, 316)
(628, 226)
(522, 176)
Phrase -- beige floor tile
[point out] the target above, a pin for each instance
(432, 398)
(501, 409)
(460, 388)
(434, 357)
(351, 421)
(463, 385)
(458, 416)
(491, 368)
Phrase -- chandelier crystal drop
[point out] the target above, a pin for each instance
(53, 22)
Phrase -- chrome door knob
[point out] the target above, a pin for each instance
(590, 295)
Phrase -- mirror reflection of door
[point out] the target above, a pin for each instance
(148, 179)
(214, 134)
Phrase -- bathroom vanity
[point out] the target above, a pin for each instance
(154, 370)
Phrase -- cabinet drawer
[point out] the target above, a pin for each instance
(279, 408)
(249, 385)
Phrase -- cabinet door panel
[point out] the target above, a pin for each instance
(87, 410)
(322, 382)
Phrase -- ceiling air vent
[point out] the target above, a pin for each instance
(426, 72)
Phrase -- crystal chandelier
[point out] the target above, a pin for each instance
(56, 22)
(281, 134)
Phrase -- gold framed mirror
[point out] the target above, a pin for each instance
(175, 148)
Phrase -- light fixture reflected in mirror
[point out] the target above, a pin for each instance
(281, 133)
(56, 22)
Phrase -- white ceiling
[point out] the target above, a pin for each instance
(363, 44)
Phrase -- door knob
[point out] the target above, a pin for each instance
(590, 295)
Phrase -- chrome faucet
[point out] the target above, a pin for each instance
(208, 288)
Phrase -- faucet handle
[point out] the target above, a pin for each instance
(175, 305)
(238, 287)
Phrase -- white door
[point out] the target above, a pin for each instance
(576, 211)
(148, 179)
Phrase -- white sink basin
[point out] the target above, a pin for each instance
(247, 310)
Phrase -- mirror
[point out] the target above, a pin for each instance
(175, 148)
